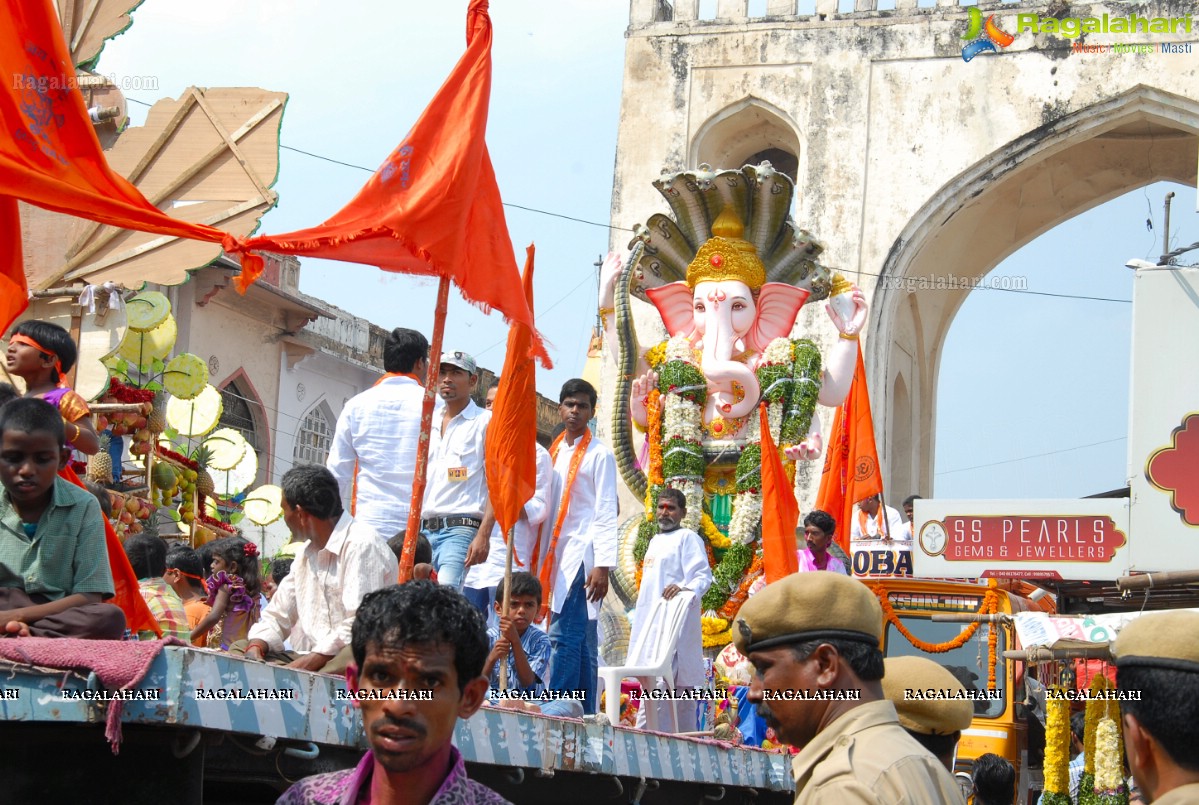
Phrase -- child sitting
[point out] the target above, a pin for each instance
(279, 570)
(233, 590)
(54, 571)
(148, 556)
(183, 574)
(517, 641)
(422, 556)
(41, 354)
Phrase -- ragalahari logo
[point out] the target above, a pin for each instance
(984, 36)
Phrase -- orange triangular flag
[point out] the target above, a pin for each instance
(50, 155)
(851, 471)
(780, 512)
(433, 207)
(511, 458)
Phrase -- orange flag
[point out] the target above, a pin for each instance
(126, 594)
(511, 458)
(433, 207)
(851, 471)
(780, 512)
(51, 156)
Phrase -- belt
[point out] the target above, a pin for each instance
(438, 523)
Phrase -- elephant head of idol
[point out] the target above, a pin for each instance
(728, 312)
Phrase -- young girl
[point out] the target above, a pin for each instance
(41, 354)
(233, 590)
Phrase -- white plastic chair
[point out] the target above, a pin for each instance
(669, 616)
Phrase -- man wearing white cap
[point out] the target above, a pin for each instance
(456, 515)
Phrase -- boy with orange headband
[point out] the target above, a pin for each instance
(41, 354)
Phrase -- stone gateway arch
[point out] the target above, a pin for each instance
(911, 164)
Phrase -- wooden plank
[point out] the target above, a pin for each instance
(82, 26)
(165, 192)
(231, 144)
(184, 105)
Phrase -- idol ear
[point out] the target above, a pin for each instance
(778, 305)
(674, 305)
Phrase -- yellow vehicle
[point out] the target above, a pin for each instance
(967, 651)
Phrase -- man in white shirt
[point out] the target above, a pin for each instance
(579, 543)
(675, 563)
(456, 516)
(482, 579)
(315, 604)
(373, 454)
(909, 514)
(868, 521)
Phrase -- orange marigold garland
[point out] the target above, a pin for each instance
(654, 436)
(989, 606)
(992, 652)
(737, 598)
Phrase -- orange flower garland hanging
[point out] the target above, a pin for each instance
(989, 606)
(654, 437)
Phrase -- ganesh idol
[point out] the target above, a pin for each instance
(728, 274)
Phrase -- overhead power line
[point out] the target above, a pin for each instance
(1037, 455)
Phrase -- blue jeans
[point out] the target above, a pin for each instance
(575, 641)
(449, 552)
(483, 599)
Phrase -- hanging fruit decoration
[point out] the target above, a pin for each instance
(197, 416)
(264, 505)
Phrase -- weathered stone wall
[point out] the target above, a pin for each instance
(911, 162)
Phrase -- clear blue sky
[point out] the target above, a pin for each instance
(1021, 375)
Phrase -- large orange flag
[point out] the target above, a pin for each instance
(433, 207)
(851, 471)
(50, 155)
(780, 512)
(511, 458)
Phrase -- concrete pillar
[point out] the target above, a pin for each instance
(686, 10)
(865, 5)
(641, 12)
(732, 9)
(905, 5)
(780, 8)
(826, 7)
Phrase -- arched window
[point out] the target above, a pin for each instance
(315, 436)
(238, 413)
(746, 133)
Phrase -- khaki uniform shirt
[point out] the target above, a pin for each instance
(866, 757)
(1183, 795)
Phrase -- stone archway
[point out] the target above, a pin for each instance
(985, 214)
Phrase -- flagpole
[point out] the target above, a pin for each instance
(507, 598)
(426, 427)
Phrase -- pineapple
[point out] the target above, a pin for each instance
(99, 466)
(156, 420)
(205, 486)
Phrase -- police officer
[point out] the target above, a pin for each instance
(931, 703)
(814, 641)
(1157, 660)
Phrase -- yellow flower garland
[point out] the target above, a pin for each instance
(1057, 744)
(711, 533)
(1094, 713)
(716, 632)
(989, 606)
(656, 354)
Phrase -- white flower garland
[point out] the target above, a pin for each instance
(1107, 757)
(747, 513)
(681, 418)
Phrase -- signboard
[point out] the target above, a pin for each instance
(1028, 539)
(881, 558)
(1163, 428)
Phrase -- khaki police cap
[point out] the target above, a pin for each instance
(1167, 640)
(817, 605)
(919, 687)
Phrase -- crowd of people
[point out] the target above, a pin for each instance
(460, 631)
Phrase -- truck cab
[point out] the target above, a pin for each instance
(999, 725)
